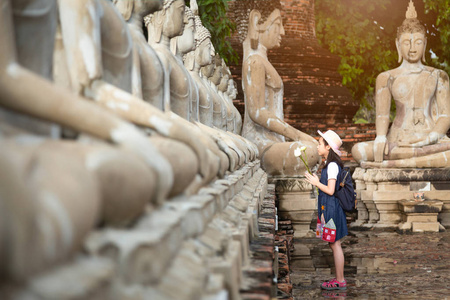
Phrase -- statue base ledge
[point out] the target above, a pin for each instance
(388, 196)
(402, 175)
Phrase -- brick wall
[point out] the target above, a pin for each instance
(299, 18)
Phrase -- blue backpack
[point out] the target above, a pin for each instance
(345, 191)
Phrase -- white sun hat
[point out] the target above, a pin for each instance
(333, 140)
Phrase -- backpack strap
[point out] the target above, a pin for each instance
(342, 183)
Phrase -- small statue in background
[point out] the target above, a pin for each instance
(185, 43)
(219, 108)
(199, 57)
(232, 93)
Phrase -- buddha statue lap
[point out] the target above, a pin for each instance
(263, 94)
(417, 137)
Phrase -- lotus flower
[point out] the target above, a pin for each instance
(301, 152)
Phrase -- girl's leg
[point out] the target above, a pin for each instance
(338, 256)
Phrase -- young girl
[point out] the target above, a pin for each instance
(328, 206)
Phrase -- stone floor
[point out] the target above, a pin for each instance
(379, 265)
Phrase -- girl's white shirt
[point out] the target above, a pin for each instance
(332, 170)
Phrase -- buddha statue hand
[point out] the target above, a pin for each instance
(379, 148)
(432, 138)
(309, 138)
(296, 135)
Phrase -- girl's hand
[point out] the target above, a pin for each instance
(312, 179)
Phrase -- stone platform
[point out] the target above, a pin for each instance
(198, 247)
(380, 190)
(297, 202)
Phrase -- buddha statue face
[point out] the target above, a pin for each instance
(203, 53)
(271, 30)
(217, 74)
(411, 46)
(223, 85)
(174, 19)
(232, 90)
(186, 41)
(208, 70)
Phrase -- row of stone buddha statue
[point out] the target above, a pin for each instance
(150, 126)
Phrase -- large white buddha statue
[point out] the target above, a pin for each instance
(417, 137)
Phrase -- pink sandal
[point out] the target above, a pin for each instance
(334, 285)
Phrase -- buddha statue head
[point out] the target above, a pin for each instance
(186, 41)
(411, 40)
(203, 48)
(168, 22)
(208, 70)
(216, 76)
(223, 85)
(232, 88)
(259, 22)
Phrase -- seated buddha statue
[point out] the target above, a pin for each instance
(194, 60)
(163, 26)
(264, 122)
(417, 137)
(219, 108)
(232, 93)
(223, 90)
(182, 45)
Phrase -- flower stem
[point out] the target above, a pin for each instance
(305, 162)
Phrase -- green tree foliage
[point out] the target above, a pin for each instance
(214, 18)
(438, 23)
(363, 34)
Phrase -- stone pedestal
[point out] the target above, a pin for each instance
(380, 191)
(420, 216)
(363, 213)
(297, 202)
